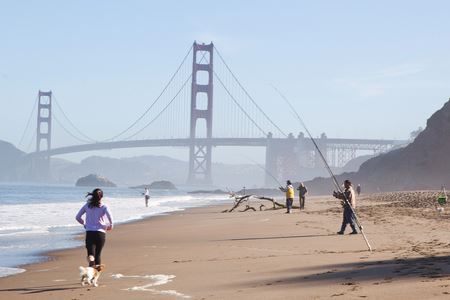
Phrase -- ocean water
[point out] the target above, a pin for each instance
(35, 219)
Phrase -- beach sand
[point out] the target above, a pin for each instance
(202, 253)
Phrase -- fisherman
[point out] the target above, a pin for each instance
(358, 189)
(289, 190)
(349, 198)
(146, 196)
(302, 190)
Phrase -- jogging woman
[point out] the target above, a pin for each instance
(97, 221)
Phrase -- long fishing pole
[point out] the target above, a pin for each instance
(265, 170)
(326, 165)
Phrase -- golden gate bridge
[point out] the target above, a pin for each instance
(182, 115)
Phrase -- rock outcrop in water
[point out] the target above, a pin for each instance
(94, 180)
(162, 185)
(157, 185)
(423, 164)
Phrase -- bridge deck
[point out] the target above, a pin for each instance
(362, 144)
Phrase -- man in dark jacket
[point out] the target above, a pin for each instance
(349, 204)
(302, 190)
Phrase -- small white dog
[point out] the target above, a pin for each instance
(90, 275)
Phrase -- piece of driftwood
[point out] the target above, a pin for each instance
(239, 200)
(248, 207)
(276, 205)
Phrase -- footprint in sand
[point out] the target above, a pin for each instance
(158, 279)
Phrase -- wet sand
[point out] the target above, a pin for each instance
(202, 253)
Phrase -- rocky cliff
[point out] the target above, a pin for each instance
(423, 164)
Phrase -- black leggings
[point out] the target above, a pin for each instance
(95, 240)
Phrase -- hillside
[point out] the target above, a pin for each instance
(123, 171)
(10, 157)
(423, 164)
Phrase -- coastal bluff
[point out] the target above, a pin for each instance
(423, 164)
(95, 180)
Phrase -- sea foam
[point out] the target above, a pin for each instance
(36, 220)
(4, 271)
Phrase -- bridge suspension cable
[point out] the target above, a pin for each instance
(237, 103)
(33, 138)
(169, 103)
(69, 132)
(247, 93)
(28, 122)
(231, 85)
(154, 102)
(163, 110)
(86, 138)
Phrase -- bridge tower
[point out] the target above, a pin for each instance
(201, 110)
(282, 159)
(43, 134)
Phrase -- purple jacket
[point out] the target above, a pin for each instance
(95, 217)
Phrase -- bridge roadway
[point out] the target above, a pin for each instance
(360, 144)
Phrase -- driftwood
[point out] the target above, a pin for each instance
(276, 205)
(237, 201)
(241, 199)
(248, 207)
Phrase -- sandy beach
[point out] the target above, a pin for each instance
(202, 253)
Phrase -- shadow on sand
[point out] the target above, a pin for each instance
(377, 272)
(43, 289)
(278, 237)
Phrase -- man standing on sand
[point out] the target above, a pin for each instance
(349, 216)
(146, 196)
(358, 189)
(289, 190)
(302, 190)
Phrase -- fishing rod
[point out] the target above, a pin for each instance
(263, 168)
(335, 182)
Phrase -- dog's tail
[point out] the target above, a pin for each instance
(82, 270)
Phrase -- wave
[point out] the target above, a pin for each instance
(10, 271)
(27, 229)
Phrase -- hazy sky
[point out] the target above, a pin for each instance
(353, 69)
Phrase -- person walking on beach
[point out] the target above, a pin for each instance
(302, 190)
(348, 216)
(358, 189)
(289, 190)
(146, 196)
(97, 221)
